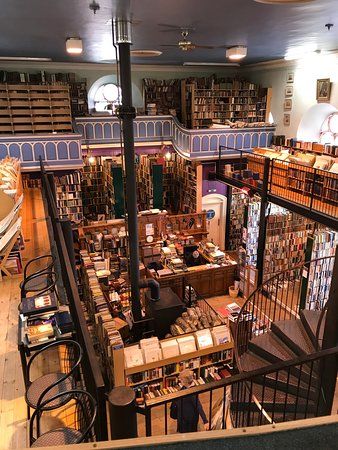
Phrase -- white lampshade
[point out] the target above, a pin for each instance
(74, 46)
(237, 52)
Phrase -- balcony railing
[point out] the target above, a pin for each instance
(201, 143)
(313, 191)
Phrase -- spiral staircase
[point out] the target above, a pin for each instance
(283, 321)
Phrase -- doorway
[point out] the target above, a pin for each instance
(215, 206)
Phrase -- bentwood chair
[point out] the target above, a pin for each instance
(60, 360)
(75, 420)
(37, 273)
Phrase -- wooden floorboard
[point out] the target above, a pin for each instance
(13, 424)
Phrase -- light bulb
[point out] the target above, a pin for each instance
(168, 156)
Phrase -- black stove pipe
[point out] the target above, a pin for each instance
(122, 34)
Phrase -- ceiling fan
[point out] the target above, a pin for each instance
(185, 44)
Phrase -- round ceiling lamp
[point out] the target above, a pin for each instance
(282, 2)
(145, 53)
(237, 52)
(74, 46)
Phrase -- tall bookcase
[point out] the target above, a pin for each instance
(286, 238)
(26, 108)
(150, 174)
(237, 207)
(93, 190)
(69, 196)
(322, 244)
(78, 98)
(189, 184)
(114, 183)
(224, 101)
(174, 184)
(166, 94)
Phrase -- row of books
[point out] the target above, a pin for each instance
(170, 386)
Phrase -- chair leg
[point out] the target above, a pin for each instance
(28, 412)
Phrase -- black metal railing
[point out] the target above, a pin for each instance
(288, 390)
(282, 297)
(289, 183)
(92, 375)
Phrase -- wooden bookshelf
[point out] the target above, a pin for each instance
(323, 243)
(150, 172)
(69, 196)
(113, 180)
(78, 98)
(94, 194)
(174, 184)
(123, 375)
(28, 108)
(166, 94)
(222, 100)
(286, 237)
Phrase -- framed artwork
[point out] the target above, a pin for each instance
(323, 90)
(287, 104)
(286, 120)
(290, 77)
(289, 91)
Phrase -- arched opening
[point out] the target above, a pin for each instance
(310, 127)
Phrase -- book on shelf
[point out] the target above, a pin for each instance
(39, 332)
(38, 304)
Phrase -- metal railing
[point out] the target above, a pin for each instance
(288, 390)
(311, 189)
(92, 375)
(282, 297)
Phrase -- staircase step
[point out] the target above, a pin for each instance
(269, 347)
(273, 401)
(310, 320)
(281, 381)
(293, 334)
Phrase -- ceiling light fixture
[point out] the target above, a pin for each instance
(145, 53)
(237, 52)
(23, 58)
(74, 46)
(282, 2)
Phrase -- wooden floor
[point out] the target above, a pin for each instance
(13, 424)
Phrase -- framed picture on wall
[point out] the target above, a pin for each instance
(286, 120)
(323, 90)
(290, 77)
(289, 91)
(287, 104)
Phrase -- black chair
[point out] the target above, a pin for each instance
(36, 266)
(77, 418)
(66, 355)
(39, 284)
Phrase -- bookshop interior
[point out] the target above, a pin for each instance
(169, 224)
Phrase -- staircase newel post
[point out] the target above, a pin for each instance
(330, 339)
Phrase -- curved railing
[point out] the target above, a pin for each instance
(282, 297)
